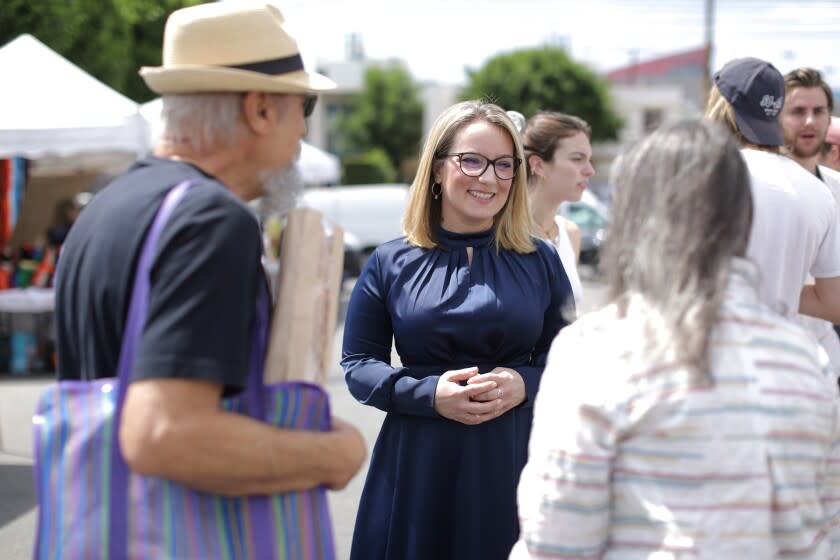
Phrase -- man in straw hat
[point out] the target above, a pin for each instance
(795, 229)
(235, 96)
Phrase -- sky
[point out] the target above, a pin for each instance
(437, 39)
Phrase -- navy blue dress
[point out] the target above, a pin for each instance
(438, 489)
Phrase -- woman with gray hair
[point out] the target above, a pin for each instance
(685, 418)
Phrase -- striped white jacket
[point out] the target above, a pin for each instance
(631, 459)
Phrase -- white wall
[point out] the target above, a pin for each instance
(631, 102)
(436, 98)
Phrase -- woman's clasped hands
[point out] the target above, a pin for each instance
(484, 397)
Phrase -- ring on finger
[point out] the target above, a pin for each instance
(500, 392)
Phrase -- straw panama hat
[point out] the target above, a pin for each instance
(230, 46)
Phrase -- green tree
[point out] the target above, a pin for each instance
(386, 114)
(109, 39)
(545, 78)
(370, 167)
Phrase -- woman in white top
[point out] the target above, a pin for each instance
(559, 164)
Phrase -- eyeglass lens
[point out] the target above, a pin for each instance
(475, 165)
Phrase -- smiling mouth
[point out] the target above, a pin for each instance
(481, 195)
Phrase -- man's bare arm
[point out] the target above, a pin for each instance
(175, 429)
(822, 299)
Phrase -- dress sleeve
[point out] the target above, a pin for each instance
(561, 305)
(366, 352)
(564, 491)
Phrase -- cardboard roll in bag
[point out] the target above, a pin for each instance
(308, 285)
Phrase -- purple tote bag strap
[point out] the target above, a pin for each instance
(137, 311)
(135, 322)
(138, 307)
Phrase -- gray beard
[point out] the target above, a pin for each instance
(281, 189)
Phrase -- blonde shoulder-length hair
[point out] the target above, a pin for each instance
(423, 213)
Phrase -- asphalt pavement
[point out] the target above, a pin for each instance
(18, 397)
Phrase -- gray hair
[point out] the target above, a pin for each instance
(682, 209)
(206, 121)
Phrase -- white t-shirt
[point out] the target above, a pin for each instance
(822, 330)
(832, 180)
(567, 257)
(795, 229)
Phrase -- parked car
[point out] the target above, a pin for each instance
(592, 217)
(372, 214)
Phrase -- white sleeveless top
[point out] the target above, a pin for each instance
(567, 256)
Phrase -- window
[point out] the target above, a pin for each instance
(651, 119)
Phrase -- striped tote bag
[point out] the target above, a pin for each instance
(92, 507)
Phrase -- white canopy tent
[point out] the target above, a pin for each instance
(315, 165)
(50, 107)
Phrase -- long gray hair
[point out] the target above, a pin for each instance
(682, 209)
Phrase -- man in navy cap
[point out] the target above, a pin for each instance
(795, 229)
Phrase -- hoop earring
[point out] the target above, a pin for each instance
(436, 194)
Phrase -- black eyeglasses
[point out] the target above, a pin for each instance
(474, 165)
(309, 104)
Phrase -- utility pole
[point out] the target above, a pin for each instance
(634, 63)
(709, 29)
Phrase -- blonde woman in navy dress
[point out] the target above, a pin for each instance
(472, 301)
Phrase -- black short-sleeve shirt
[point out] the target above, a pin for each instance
(204, 279)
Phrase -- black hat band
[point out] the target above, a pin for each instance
(274, 66)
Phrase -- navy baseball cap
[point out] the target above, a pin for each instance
(756, 91)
